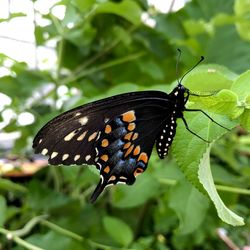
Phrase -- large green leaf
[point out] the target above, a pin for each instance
(206, 179)
(189, 149)
(190, 206)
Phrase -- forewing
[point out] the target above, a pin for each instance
(70, 137)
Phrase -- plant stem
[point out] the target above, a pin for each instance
(62, 230)
(103, 66)
(15, 235)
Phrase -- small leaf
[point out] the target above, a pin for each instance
(241, 86)
(224, 103)
(206, 179)
(242, 9)
(245, 120)
(127, 9)
(3, 210)
(190, 206)
(118, 230)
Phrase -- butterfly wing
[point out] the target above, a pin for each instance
(116, 134)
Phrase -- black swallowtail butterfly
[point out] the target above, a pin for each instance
(116, 134)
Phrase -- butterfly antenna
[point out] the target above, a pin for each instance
(177, 65)
(202, 58)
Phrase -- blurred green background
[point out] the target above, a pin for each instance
(102, 48)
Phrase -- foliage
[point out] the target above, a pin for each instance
(103, 48)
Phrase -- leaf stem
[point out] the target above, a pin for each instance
(218, 187)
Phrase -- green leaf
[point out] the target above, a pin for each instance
(84, 5)
(224, 103)
(118, 230)
(206, 179)
(3, 210)
(242, 9)
(188, 149)
(245, 120)
(241, 86)
(190, 206)
(8, 185)
(127, 9)
(145, 188)
(210, 77)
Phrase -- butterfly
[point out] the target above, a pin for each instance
(116, 134)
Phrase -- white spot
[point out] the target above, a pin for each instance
(96, 159)
(92, 137)
(98, 135)
(169, 139)
(164, 131)
(159, 150)
(172, 127)
(175, 105)
(165, 153)
(78, 113)
(159, 144)
(172, 118)
(97, 152)
(81, 137)
(176, 93)
(87, 157)
(65, 156)
(166, 126)
(40, 141)
(171, 133)
(106, 120)
(83, 120)
(69, 136)
(173, 112)
(162, 137)
(53, 155)
(45, 151)
(77, 157)
(167, 145)
(165, 149)
(172, 121)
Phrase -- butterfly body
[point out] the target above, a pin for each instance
(116, 134)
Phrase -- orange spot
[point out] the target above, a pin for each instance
(105, 143)
(127, 145)
(135, 136)
(93, 136)
(106, 170)
(108, 129)
(128, 136)
(138, 171)
(129, 116)
(131, 126)
(129, 150)
(112, 178)
(143, 157)
(104, 157)
(137, 150)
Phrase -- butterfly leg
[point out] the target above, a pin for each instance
(186, 125)
(199, 110)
